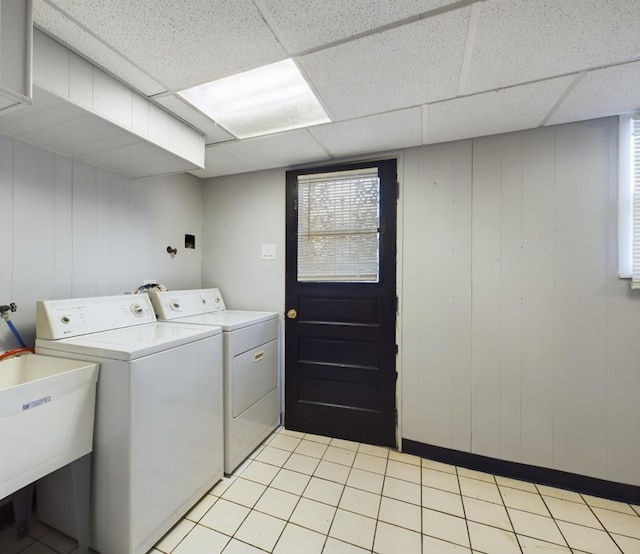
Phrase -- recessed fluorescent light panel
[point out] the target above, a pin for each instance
(266, 100)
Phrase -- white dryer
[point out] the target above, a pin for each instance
(158, 441)
(251, 376)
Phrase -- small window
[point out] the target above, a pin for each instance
(629, 200)
(339, 226)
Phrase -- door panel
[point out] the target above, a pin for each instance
(340, 336)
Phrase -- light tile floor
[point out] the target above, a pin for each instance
(305, 494)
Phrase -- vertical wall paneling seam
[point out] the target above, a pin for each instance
(522, 291)
(555, 296)
(471, 315)
(12, 238)
(501, 292)
(452, 188)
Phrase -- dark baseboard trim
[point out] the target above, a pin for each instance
(6, 515)
(523, 472)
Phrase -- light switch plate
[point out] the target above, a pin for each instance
(268, 251)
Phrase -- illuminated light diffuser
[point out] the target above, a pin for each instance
(266, 100)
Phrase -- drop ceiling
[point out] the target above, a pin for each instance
(390, 74)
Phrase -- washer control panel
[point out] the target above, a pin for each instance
(58, 319)
(182, 303)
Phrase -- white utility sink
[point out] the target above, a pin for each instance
(47, 408)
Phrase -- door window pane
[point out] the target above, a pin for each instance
(339, 226)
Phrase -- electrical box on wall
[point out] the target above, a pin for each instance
(268, 251)
(190, 241)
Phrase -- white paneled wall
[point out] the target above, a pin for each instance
(243, 212)
(518, 341)
(517, 334)
(72, 230)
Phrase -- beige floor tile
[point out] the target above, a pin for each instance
(536, 526)
(443, 501)
(490, 540)
(487, 513)
(367, 462)
(325, 491)
(446, 527)
(313, 515)
(260, 472)
(473, 474)
(438, 466)
(339, 456)
(311, 448)
(225, 516)
(40, 548)
(237, 547)
(535, 546)
(244, 492)
(290, 481)
(285, 442)
(202, 539)
(372, 450)
(296, 540)
(572, 512)
(334, 546)
(440, 480)
(596, 502)
(59, 542)
(515, 484)
(431, 545)
(353, 529)
(273, 456)
(628, 545)
(586, 539)
(360, 502)
(400, 513)
(365, 480)
(405, 458)
(480, 489)
(301, 463)
(291, 433)
(390, 539)
(201, 508)
(524, 500)
(178, 532)
(349, 445)
(318, 438)
(332, 472)
(619, 523)
(402, 490)
(260, 530)
(560, 493)
(406, 472)
(277, 503)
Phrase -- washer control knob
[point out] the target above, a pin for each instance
(137, 310)
(65, 319)
(174, 305)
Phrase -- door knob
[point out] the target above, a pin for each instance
(292, 314)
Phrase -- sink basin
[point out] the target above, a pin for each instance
(47, 408)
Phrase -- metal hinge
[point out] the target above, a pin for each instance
(395, 415)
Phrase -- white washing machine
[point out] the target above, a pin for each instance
(251, 376)
(158, 440)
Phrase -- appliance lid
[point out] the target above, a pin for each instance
(229, 320)
(132, 342)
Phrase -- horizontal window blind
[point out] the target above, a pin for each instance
(635, 144)
(338, 226)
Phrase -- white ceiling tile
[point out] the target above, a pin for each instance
(490, 113)
(66, 31)
(219, 161)
(399, 68)
(184, 42)
(212, 131)
(376, 133)
(519, 40)
(601, 93)
(303, 25)
(281, 150)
